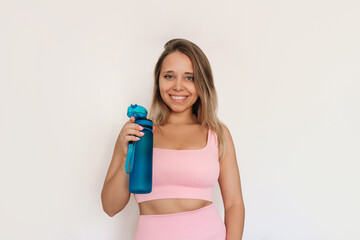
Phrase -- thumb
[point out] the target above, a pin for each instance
(132, 119)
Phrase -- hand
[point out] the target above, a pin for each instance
(130, 132)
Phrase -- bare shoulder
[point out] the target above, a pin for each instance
(225, 128)
(227, 134)
(229, 148)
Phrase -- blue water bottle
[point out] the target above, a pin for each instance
(139, 162)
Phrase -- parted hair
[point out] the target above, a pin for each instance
(205, 107)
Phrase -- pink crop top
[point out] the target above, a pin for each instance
(184, 173)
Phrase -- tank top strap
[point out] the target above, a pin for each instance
(212, 138)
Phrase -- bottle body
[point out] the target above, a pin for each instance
(140, 179)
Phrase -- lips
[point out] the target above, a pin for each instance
(178, 98)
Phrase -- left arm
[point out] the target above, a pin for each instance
(230, 186)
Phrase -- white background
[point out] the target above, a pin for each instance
(287, 76)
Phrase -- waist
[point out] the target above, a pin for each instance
(176, 192)
(171, 205)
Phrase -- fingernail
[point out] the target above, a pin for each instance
(137, 138)
(142, 133)
(141, 128)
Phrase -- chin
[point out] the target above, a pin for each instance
(178, 109)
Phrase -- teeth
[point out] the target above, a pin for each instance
(177, 98)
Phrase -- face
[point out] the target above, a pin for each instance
(176, 82)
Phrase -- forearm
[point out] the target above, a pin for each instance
(234, 221)
(115, 193)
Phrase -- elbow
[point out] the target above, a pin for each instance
(113, 206)
(111, 211)
(110, 214)
(109, 208)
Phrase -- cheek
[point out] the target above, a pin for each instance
(193, 90)
(161, 87)
(164, 86)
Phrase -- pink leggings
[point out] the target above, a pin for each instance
(200, 224)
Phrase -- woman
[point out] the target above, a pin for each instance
(192, 150)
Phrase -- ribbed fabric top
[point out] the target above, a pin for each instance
(184, 173)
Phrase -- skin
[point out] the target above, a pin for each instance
(180, 132)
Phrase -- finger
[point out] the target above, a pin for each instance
(132, 119)
(135, 126)
(134, 132)
(129, 138)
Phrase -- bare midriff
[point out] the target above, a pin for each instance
(174, 205)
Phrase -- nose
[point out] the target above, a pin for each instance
(178, 85)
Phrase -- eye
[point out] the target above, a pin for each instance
(190, 78)
(168, 76)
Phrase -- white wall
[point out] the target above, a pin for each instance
(286, 72)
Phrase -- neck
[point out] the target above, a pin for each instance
(182, 118)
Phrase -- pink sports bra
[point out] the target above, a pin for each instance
(184, 173)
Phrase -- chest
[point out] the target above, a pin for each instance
(185, 167)
(181, 139)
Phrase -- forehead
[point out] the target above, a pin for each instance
(177, 62)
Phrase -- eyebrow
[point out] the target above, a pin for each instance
(171, 71)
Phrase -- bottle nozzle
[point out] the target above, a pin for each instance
(137, 111)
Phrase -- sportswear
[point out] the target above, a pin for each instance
(201, 224)
(184, 173)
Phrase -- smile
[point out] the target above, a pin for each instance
(178, 98)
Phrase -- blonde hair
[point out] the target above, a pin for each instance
(205, 108)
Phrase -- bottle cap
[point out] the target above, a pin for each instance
(137, 111)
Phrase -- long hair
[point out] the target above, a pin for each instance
(205, 108)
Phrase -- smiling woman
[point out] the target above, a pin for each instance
(193, 150)
(176, 88)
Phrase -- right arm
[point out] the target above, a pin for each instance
(115, 193)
